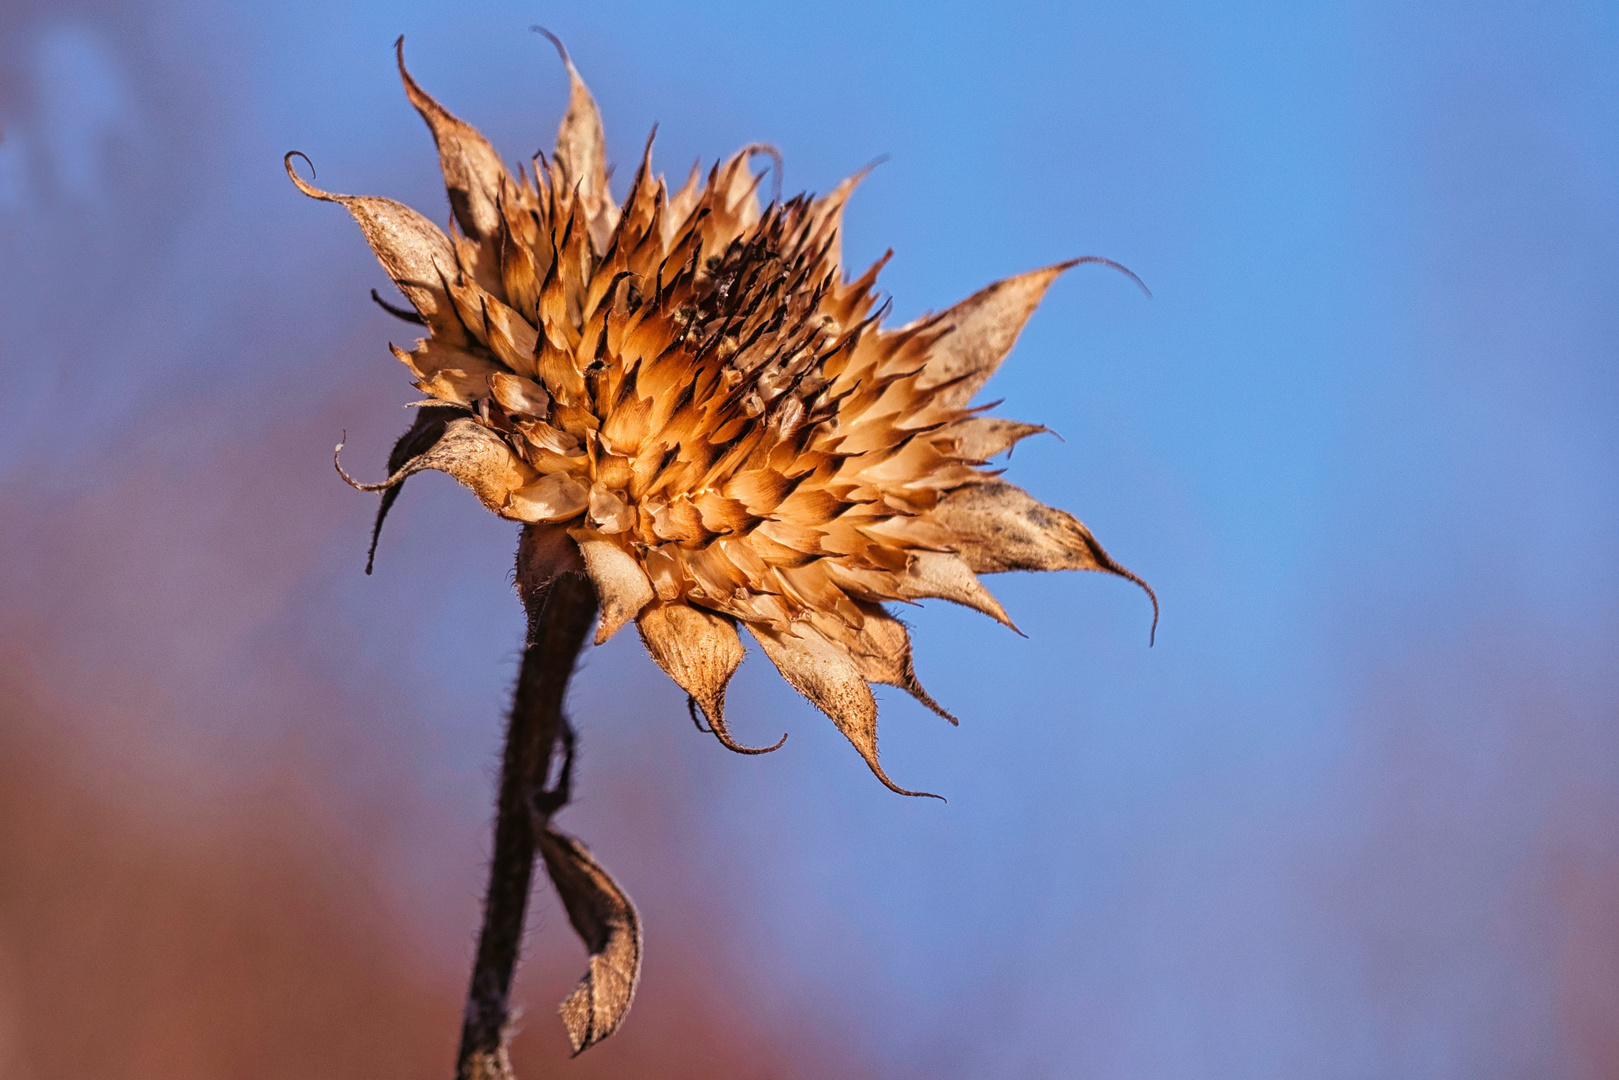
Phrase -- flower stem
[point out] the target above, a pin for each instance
(560, 612)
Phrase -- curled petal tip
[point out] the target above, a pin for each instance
(304, 185)
(1110, 264)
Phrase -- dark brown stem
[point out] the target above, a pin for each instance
(560, 611)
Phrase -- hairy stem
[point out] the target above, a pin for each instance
(560, 611)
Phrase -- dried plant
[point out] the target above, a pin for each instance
(701, 423)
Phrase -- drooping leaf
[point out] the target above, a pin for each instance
(605, 919)
(417, 440)
(471, 453)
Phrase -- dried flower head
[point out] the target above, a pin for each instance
(694, 406)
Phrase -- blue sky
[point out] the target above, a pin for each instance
(1352, 816)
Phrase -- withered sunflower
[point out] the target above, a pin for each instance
(685, 400)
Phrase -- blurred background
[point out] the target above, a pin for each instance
(1356, 815)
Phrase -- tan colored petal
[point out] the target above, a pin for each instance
(553, 497)
(700, 651)
(943, 576)
(414, 252)
(1002, 527)
(883, 655)
(473, 455)
(519, 396)
(605, 919)
(581, 152)
(980, 438)
(621, 585)
(472, 169)
(986, 326)
(829, 678)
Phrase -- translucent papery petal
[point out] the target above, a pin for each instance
(473, 173)
(882, 652)
(827, 675)
(475, 456)
(1001, 527)
(605, 919)
(980, 438)
(942, 576)
(553, 497)
(621, 585)
(414, 251)
(581, 153)
(700, 651)
(986, 326)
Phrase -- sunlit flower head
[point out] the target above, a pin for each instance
(689, 401)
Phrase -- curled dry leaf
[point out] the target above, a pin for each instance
(605, 919)
(695, 390)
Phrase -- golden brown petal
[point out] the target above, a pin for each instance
(986, 326)
(621, 585)
(700, 651)
(473, 173)
(414, 252)
(1002, 527)
(605, 919)
(553, 497)
(825, 674)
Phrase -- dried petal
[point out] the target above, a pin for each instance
(828, 677)
(1002, 527)
(986, 326)
(943, 576)
(883, 654)
(553, 497)
(605, 919)
(414, 252)
(581, 153)
(700, 651)
(980, 438)
(473, 455)
(472, 169)
(621, 584)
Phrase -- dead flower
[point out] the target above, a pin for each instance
(687, 400)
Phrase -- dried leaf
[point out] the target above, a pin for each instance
(826, 674)
(700, 651)
(605, 919)
(986, 326)
(1002, 527)
(472, 169)
(621, 584)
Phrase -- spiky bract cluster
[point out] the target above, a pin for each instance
(696, 407)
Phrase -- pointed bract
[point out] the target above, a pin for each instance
(621, 584)
(984, 327)
(473, 173)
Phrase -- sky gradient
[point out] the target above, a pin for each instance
(1356, 814)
